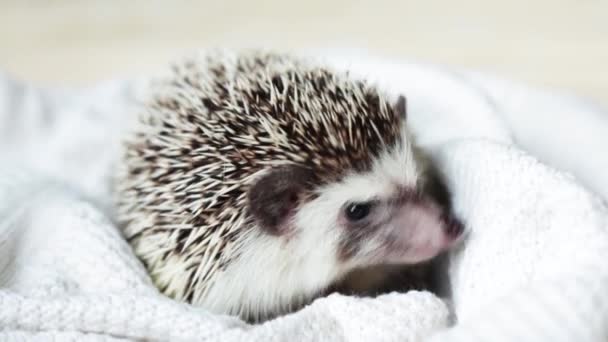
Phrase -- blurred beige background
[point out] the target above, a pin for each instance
(557, 43)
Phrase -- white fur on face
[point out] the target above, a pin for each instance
(278, 276)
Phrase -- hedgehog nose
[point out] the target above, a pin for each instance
(453, 227)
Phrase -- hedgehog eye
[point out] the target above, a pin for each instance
(357, 211)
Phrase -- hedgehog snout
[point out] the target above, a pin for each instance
(419, 230)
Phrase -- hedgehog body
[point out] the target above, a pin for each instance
(256, 180)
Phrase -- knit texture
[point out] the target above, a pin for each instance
(531, 269)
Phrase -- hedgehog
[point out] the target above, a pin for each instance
(256, 180)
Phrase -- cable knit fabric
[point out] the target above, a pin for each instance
(532, 267)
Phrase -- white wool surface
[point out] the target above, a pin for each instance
(526, 168)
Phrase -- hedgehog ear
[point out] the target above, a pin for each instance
(274, 196)
(401, 107)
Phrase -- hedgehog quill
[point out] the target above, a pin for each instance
(257, 180)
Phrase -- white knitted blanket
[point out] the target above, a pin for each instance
(534, 267)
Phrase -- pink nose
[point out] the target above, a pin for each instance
(451, 225)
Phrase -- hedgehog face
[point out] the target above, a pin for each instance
(379, 217)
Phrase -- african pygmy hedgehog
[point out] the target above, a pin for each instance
(256, 180)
